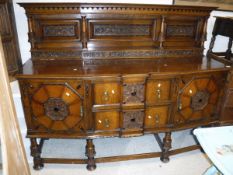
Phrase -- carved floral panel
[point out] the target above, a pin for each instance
(180, 30)
(59, 30)
(121, 30)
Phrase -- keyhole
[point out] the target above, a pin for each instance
(132, 119)
(56, 109)
(200, 100)
(79, 86)
(133, 93)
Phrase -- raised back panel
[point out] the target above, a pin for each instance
(97, 32)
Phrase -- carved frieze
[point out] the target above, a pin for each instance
(133, 119)
(133, 93)
(45, 55)
(121, 30)
(59, 30)
(180, 30)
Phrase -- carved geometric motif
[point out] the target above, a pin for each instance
(121, 30)
(59, 30)
(180, 30)
(133, 119)
(133, 93)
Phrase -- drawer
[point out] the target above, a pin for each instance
(107, 93)
(156, 117)
(133, 93)
(133, 119)
(158, 90)
(107, 120)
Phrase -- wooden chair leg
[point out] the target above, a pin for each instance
(166, 147)
(90, 153)
(36, 154)
(228, 52)
(211, 45)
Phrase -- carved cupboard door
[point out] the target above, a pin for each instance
(54, 106)
(9, 36)
(198, 98)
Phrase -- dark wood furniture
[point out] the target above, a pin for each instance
(9, 37)
(118, 70)
(223, 26)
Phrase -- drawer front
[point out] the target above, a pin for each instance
(133, 93)
(54, 105)
(107, 120)
(133, 119)
(156, 117)
(158, 90)
(107, 93)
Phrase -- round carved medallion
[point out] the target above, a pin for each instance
(56, 109)
(200, 100)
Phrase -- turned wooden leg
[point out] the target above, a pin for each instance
(90, 153)
(36, 154)
(228, 52)
(166, 147)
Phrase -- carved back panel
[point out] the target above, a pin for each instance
(115, 31)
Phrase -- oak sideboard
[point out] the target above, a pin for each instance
(119, 70)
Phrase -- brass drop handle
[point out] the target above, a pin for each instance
(106, 123)
(81, 111)
(106, 96)
(180, 106)
(158, 92)
(157, 119)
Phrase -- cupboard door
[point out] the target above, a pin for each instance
(198, 98)
(55, 106)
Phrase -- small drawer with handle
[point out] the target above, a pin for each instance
(107, 120)
(156, 117)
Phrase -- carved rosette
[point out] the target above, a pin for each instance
(133, 119)
(133, 93)
(56, 107)
(200, 100)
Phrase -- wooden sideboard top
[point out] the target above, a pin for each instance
(74, 69)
